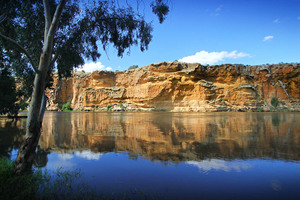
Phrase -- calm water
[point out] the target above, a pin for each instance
(172, 155)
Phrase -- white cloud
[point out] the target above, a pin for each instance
(89, 155)
(220, 165)
(298, 18)
(90, 67)
(218, 10)
(276, 21)
(205, 57)
(268, 38)
(65, 156)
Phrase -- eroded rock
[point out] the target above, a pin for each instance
(177, 86)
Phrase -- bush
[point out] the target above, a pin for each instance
(108, 107)
(66, 107)
(274, 102)
(223, 101)
(133, 67)
(282, 102)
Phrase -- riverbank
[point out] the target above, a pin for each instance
(59, 184)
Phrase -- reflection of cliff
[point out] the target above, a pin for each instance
(176, 137)
(181, 87)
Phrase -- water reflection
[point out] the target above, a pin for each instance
(11, 135)
(217, 164)
(173, 155)
(175, 136)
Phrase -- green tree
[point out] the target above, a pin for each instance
(39, 36)
(8, 92)
(274, 102)
(133, 67)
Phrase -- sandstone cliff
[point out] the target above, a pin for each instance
(176, 86)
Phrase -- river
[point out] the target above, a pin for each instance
(172, 155)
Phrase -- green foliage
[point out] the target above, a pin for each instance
(161, 9)
(23, 104)
(66, 107)
(223, 101)
(18, 187)
(282, 102)
(121, 105)
(8, 92)
(108, 107)
(133, 67)
(88, 27)
(274, 102)
(260, 109)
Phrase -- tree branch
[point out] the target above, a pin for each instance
(2, 18)
(54, 23)
(53, 60)
(22, 49)
(47, 17)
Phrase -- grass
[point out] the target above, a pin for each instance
(17, 187)
(61, 184)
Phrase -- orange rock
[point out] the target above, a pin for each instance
(179, 86)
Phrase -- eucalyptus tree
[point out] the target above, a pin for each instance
(43, 35)
(8, 93)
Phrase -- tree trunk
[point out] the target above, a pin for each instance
(35, 114)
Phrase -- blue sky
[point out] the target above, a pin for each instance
(215, 32)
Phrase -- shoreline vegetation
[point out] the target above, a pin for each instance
(271, 110)
(57, 184)
(145, 111)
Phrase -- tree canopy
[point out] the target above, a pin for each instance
(83, 28)
(38, 36)
(8, 92)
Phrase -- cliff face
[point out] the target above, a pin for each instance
(178, 86)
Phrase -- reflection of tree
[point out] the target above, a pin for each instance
(275, 119)
(41, 158)
(11, 135)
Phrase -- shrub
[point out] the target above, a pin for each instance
(108, 107)
(66, 107)
(223, 101)
(260, 109)
(274, 102)
(133, 67)
(282, 102)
